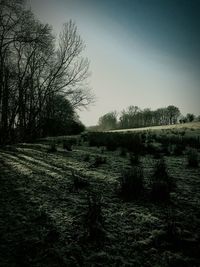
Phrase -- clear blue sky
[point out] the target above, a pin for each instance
(142, 52)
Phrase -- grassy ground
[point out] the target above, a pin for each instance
(43, 216)
(183, 126)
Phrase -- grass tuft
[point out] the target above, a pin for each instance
(192, 158)
(94, 220)
(52, 148)
(79, 182)
(132, 183)
(134, 159)
(98, 160)
(161, 183)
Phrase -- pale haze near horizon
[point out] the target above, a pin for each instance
(125, 69)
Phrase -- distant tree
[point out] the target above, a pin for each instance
(182, 119)
(147, 117)
(130, 117)
(134, 117)
(173, 114)
(162, 116)
(108, 121)
(190, 117)
(124, 120)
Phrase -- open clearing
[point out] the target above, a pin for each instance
(43, 216)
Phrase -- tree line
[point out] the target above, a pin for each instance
(134, 117)
(43, 79)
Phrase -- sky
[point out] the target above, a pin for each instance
(142, 52)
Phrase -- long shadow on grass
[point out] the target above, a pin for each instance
(28, 237)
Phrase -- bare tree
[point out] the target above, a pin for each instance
(173, 114)
(33, 69)
(108, 121)
(71, 70)
(134, 117)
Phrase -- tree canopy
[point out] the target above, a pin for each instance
(134, 117)
(36, 70)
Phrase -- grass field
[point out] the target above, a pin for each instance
(49, 217)
(183, 126)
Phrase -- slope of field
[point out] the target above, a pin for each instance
(183, 126)
(44, 216)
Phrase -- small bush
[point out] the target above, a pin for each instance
(52, 148)
(79, 142)
(178, 149)
(98, 160)
(166, 149)
(122, 152)
(102, 150)
(111, 146)
(84, 136)
(134, 159)
(94, 221)
(67, 145)
(182, 133)
(157, 155)
(79, 181)
(161, 182)
(161, 173)
(192, 158)
(86, 157)
(131, 183)
(172, 229)
(150, 148)
(160, 191)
